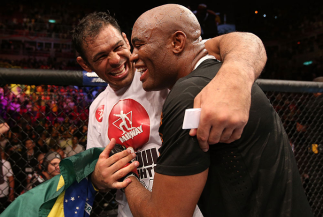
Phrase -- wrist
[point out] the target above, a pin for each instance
(96, 185)
(133, 177)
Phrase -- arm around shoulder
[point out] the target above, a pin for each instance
(243, 47)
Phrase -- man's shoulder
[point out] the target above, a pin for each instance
(197, 79)
(5, 162)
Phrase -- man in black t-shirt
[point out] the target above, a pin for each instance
(253, 176)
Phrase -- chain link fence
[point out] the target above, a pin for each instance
(55, 118)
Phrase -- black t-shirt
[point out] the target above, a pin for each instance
(253, 176)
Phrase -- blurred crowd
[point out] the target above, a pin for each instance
(33, 63)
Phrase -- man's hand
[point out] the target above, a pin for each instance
(225, 105)
(109, 170)
(4, 127)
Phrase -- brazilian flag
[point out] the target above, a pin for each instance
(69, 194)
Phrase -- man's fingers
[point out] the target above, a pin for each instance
(234, 136)
(119, 160)
(105, 153)
(193, 132)
(202, 136)
(126, 170)
(226, 135)
(123, 184)
(197, 104)
(197, 101)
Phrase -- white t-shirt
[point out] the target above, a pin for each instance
(7, 172)
(69, 151)
(3, 143)
(131, 116)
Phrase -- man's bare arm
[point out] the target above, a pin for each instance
(225, 101)
(170, 196)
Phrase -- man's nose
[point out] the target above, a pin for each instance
(114, 59)
(134, 57)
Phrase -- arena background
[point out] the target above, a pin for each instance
(45, 96)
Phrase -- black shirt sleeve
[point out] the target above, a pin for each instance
(180, 153)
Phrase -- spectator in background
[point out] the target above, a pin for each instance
(75, 148)
(31, 154)
(53, 140)
(66, 124)
(15, 150)
(208, 21)
(4, 128)
(41, 144)
(47, 168)
(83, 136)
(51, 164)
(65, 140)
(3, 141)
(27, 163)
(7, 182)
(27, 131)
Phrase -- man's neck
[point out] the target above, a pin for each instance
(193, 61)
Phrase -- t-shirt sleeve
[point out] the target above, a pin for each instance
(90, 140)
(180, 153)
(8, 169)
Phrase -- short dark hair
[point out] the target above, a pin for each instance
(89, 27)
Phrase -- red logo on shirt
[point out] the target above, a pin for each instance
(129, 124)
(99, 113)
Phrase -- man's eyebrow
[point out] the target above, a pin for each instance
(103, 52)
(135, 39)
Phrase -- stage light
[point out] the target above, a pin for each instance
(52, 21)
(307, 63)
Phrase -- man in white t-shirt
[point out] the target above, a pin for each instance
(75, 148)
(103, 48)
(7, 187)
(7, 182)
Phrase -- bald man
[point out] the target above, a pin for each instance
(253, 176)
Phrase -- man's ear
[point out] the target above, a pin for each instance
(178, 42)
(83, 64)
(126, 39)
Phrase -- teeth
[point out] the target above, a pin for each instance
(141, 70)
(120, 71)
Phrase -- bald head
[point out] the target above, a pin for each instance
(168, 19)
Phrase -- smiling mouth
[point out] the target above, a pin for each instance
(119, 71)
(144, 73)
